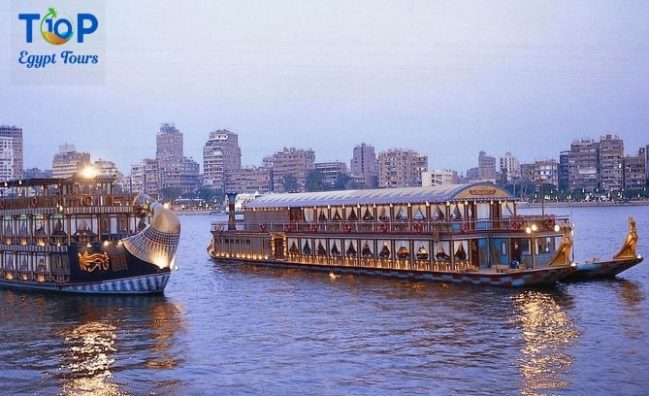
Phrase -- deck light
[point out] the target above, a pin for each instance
(556, 228)
(528, 230)
(534, 227)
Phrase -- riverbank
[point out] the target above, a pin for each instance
(581, 204)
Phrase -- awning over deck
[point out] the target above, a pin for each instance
(436, 194)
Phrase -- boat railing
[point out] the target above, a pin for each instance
(513, 224)
(72, 200)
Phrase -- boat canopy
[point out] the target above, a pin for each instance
(434, 194)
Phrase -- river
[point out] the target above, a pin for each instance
(227, 329)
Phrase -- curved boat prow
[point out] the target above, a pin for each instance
(563, 254)
(628, 249)
(158, 242)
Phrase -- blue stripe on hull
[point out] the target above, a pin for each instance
(148, 284)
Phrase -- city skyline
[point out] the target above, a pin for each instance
(444, 78)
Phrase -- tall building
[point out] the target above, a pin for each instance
(486, 167)
(472, 175)
(401, 168)
(545, 172)
(179, 173)
(510, 167)
(439, 177)
(611, 157)
(35, 173)
(583, 165)
(635, 171)
(169, 143)
(145, 177)
(67, 162)
(330, 171)
(11, 152)
(290, 165)
(564, 170)
(249, 180)
(221, 154)
(363, 165)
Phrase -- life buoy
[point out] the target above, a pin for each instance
(314, 227)
(383, 227)
(262, 227)
(549, 223)
(418, 227)
(87, 201)
(465, 228)
(288, 228)
(516, 225)
(347, 227)
(34, 202)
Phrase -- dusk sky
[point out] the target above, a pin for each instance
(447, 79)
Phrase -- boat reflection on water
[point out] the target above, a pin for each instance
(114, 335)
(548, 335)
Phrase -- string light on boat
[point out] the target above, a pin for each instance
(557, 228)
(534, 227)
(528, 230)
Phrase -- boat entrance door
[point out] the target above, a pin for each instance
(278, 247)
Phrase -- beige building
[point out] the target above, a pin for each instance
(330, 171)
(145, 177)
(635, 168)
(510, 166)
(401, 168)
(611, 158)
(11, 152)
(486, 167)
(364, 167)
(221, 154)
(439, 177)
(67, 162)
(290, 168)
(249, 180)
(583, 165)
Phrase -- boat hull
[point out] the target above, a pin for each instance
(510, 278)
(602, 269)
(147, 284)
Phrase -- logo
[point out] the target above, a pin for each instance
(58, 30)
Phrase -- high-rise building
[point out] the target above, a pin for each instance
(486, 167)
(611, 157)
(564, 170)
(363, 165)
(35, 173)
(169, 143)
(545, 172)
(181, 173)
(439, 177)
(249, 180)
(472, 175)
(290, 167)
(221, 154)
(11, 152)
(401, 168)
(635, 170)
(510, 167)
(108, 168)
(68, 162)
(330, 171)
(145, 177)
(583, 165)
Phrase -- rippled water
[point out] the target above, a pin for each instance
(225, 329)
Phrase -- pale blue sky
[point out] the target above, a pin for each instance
(446, 78)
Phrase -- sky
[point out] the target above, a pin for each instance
(446, 78)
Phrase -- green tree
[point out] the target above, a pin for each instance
(170, 193)
(315, 181)
(290, 183)
(343, 181)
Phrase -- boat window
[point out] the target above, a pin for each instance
(293, 246)
(306, 247)
(335, 251)
(439, 212)
(403, 249)
(308, 214)
(337, 215)
(8, 261)
(458, 212)
(419, 212)
(384, 213)
(400, 213)
(544, 245)
(385, 250)
(421, 250)
(321, 247)
(367, 213)
(442, 252)
(322, 214)
(508, 209)
(367, 248)
(350, 247)
(461, 249)
(483, 211)
(525, 247)
(351, 213)
(22, 231)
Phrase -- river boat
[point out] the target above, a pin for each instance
(626, 258)
(464, 233)
(78, 235)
